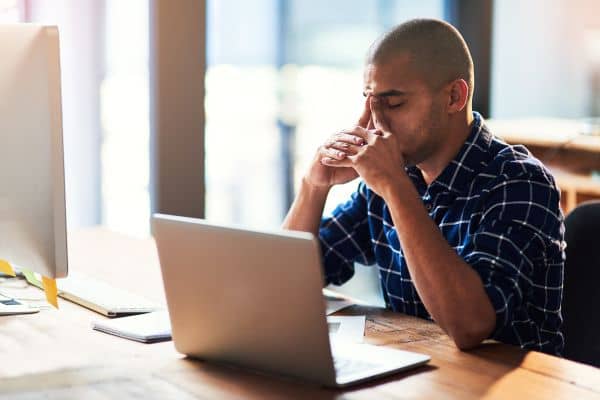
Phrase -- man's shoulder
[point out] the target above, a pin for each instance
(515, 162)
(517, 184)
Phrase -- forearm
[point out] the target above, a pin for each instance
(307, 209)
(450, 289)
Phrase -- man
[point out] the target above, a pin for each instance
(465, 229)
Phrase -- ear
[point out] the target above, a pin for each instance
(459, 95)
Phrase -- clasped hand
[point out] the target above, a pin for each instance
(371, 149)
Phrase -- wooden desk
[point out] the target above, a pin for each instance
(56, 354)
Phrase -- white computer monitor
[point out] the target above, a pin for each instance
(32, 184)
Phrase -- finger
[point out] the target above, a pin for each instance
(345, 138)
(364, 119)
(356, 132)
(370, 125)
(377, 113)
(345, 147)
(372, 134)
(332, 162)
(333, 153)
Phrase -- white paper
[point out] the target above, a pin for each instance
(347, 328)
(148, 327)
(336, 305)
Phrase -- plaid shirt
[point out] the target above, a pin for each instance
(498, 208)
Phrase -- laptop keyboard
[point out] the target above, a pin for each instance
(349, 366)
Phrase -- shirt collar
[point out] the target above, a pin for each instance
(471, 159)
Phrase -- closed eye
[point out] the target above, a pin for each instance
(395, 105)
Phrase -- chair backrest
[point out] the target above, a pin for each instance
(581, 294)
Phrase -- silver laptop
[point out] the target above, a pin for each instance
(254, 299)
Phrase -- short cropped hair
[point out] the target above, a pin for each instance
(436, 48)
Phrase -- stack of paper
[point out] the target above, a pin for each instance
(347, 329)
(146, 328)
(334, 305)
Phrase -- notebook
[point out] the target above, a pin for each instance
(146, 328)
(155, 326)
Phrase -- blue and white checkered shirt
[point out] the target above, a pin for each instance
(498, 207)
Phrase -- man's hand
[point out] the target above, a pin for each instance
(307, 209)
(379, 161)
(337, 147)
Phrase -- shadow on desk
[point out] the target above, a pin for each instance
(236, 382)
(482, 372)
(181, 379)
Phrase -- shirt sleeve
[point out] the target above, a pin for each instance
(345, 238)
(518, 233)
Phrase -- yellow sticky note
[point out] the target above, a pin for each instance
(47, 284)
(51, 291)
(7, 268)
(31, 278)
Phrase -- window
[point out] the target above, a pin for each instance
(274, 68)
(545, 63)
(104, 62)
(124, 103)
(11, 11)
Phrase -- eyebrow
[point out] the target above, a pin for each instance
(388, 93)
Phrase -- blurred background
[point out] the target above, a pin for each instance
(279, 76)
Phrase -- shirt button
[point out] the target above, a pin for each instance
(428, 207)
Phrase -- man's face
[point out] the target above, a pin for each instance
(412, 109)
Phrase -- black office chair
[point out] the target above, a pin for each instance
(581, 291)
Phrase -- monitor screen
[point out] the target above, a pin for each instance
(32, 185)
